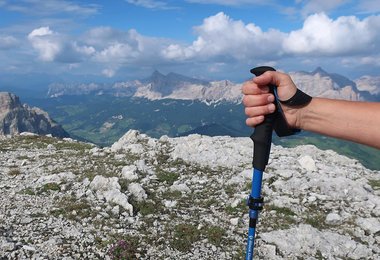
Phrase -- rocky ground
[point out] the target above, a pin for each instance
(181, 198)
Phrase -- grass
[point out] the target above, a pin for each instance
(73, 209)
(215, 235)
(184, 235)
(375, 184)
(168, 177)
(52, 186)
(14, 172)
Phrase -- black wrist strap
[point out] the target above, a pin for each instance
(298, 99)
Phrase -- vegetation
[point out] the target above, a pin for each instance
(184, 235)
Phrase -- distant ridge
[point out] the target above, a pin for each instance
(176, 86)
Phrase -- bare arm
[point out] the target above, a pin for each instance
(354, 121)
(350, 120)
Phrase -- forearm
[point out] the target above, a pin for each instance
(353, 121)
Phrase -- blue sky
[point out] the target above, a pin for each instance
(128, 39)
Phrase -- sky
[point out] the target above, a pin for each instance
(107, 41)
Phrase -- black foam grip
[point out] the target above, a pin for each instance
(262, 136)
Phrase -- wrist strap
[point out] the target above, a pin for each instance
(298, 99)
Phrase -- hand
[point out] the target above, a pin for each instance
(258, 101)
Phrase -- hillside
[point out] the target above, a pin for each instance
(181, 198)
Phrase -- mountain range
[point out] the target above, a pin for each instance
(176, 86)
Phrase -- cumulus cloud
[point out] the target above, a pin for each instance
(45, 42)
(347, 35)
(52, 46)
(220, 42)
(222, 38)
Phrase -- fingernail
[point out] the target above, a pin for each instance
(270, 98)
(271, 108)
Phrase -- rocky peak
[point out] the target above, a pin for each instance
(8, 101)
(16, 118)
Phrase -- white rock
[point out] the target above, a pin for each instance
(137, 191)
(28, 248)
(57, 178)
(370, 225)
(102, 183)
(180, 187)
(28, 134)
(170, 203)
(234, 221)
(115, 196)
(50, 147)
(307, 163)
(333, 219)
(129, 172)
(330, 245)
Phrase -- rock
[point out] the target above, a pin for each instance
(234, 221)
(137, 191)
(180, 187)
(370, 225)
(329, 244)
(333, 219)
(16, 118)
(307, 163)
(129, 173)
(100, 183)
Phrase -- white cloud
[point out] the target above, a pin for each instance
(44, 41)
(7, 42)
(221, 43)
(52, 46)
(347, 35)
(221, 38)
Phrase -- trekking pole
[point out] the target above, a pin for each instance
(262, 139)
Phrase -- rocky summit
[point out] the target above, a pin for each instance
(181, 198)
(16, 118)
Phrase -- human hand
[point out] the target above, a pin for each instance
(258, 101)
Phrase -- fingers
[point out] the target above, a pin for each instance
(251, 88)
(260, 110)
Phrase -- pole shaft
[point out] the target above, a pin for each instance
(253, 214)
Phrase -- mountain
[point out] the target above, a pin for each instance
(320, 83)
(16, 118)
(176, 86)
(181, 198)
(157, 86)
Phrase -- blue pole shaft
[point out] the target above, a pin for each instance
(253, 214)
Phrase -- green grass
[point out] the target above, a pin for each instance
(375, 184)
(184, 235)
(168, 177)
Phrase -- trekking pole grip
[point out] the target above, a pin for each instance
(262, 135)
